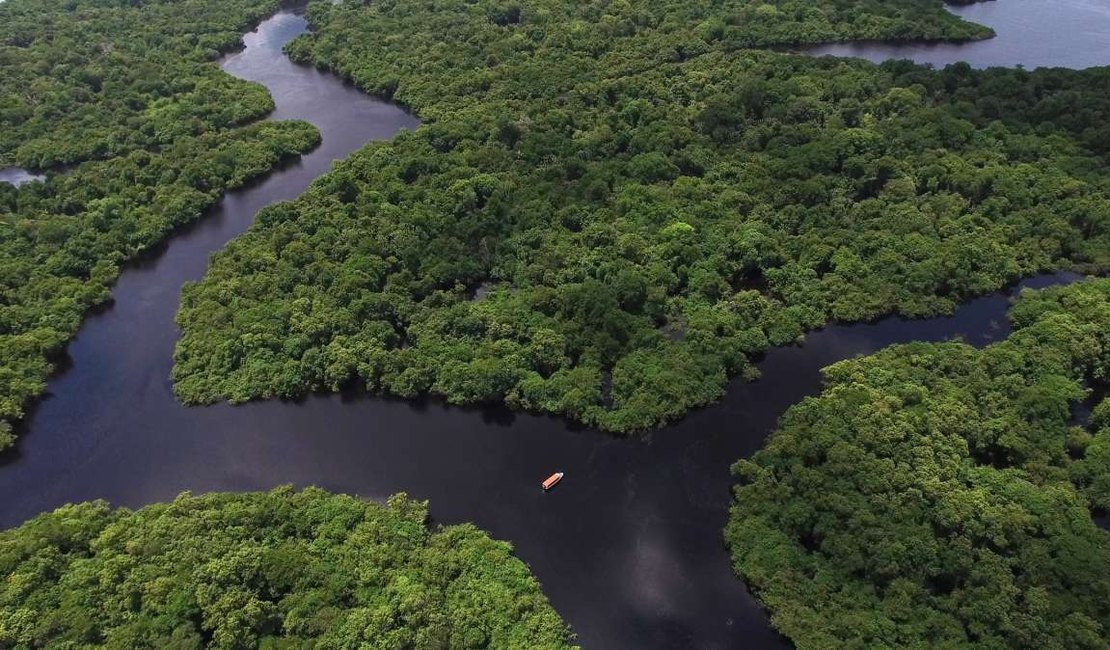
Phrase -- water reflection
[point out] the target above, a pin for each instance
(629, 546)
(18, 176)
(1030, 33)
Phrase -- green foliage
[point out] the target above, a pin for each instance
(928, 497)
(656, 201)
(153, 133)
(282, 569)
(93, 79)
(1091, 470)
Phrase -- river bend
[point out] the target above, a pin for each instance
(628, 548)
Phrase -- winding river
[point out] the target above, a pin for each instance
(628, 548)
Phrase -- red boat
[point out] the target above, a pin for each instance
(552, 480)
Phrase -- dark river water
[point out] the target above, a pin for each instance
(628, 547)
(1030, 33)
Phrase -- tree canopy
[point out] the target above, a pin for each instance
(938, 495)
(149, 131)
(613, 207)
(282, 569)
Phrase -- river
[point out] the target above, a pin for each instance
(1029, 33)
(628, 547)
(18, 176)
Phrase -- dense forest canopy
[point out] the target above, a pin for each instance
(938, 495)
(151, 131)
(614, 205)
(282, 569)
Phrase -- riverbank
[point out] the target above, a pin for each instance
(1027, 34)
(628, 548)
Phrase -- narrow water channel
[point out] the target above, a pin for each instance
(628, 547)
(18, 176)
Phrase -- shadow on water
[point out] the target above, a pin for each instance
(628, 547)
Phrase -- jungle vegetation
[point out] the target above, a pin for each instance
(140, 132)
(614, 206)
(938, 495)
(282, 569)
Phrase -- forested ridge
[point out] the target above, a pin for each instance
(614, 206)
(150, 131)
(283, 569)
(938, 495)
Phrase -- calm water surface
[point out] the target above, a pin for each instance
(1030, 33)
(18, 176)
(628, 547)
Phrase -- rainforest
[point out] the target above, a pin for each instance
(446, 248)
(274, 570)
(145, 134)
(615, 207)
(940, 495)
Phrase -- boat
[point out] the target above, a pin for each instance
(552, 480)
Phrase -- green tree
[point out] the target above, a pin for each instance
(928, 496)
(265, 570)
